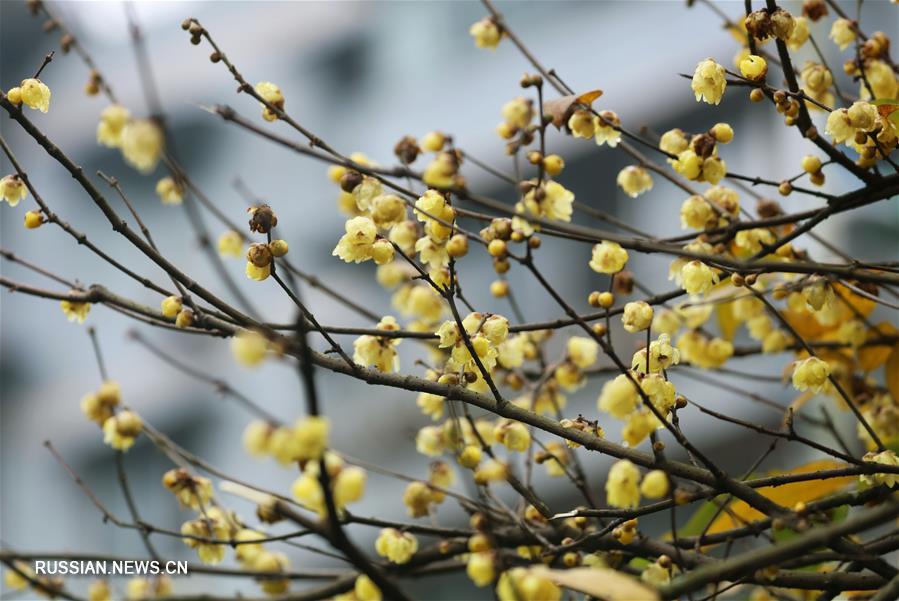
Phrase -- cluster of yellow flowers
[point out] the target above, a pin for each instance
(697, 156)
(32, 92)
(305, 440)
(120, 429)
(347, 484)
(398, 547)
(624, 486)
(140, 140)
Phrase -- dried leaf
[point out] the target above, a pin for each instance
(872, 357)
(891, 372)
(560, 109)
(726, 320)
(786, 495)
(602, 583)
(888, 109)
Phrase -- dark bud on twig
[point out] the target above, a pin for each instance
(814, 9)
(49, 25)
(758, 24)
(215, 56)
(623, 283)
(66, 42)
(262, 219)
(34, 6)
(195, 40)
(703, 145)
(349, 180)
(185, 24)
(259, 255)
(195, 28)
(407, 150)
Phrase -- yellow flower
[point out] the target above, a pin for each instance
(266, 561)
(518, 112)
(112, 123)
(637, 316)
(99, 591)
(666, 322)
(608, 257)
(515, 436)
(310, 437)
(191, 490)
(698, 278)
(623, 485)
(470, 457)
(230, 244)
(882, 79)
(842, 33)
(521, 584)
(378, 351)
(634, 180)
(349, 485)
(862, 115)
(120, 431)
(417, 498)
(271, 94)
(885, 458)
(256, 437)
(581, 124)
(654, 485)
(387, 210)
(555, 202)
(605, 131)
(249, 347)
(75, 311)
(36, 94)
(33, 219)
(213, 525)
(398, 547)
(661, 356)
(852, 332)
(431, 405)
(480, 568)
(429, 441)
(433, 141)
(674, 141)
(800, 33)
(486, 34)
(708, 82)
(171, 306)
(257, 273)
(12, 189)
(810, 374)
(356, 245)
(656, 575)
(142, 144)
(365, 589)
(582, 351)
(696, 213)
(754, 67)
(618, 397)
(491, 470)
(169, 191)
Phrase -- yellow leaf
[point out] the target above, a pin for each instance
(787, 495)
(872, 357)
(560, 109)
(891, 371)
(602, 583)
(726, 320)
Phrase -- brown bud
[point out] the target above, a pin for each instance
(501, 265)
(680, 401)
(658, 446)
(268, 513)
(664, 561)
(814, 9)
(703, 145)
(349, 180)
(780, 96)
(195, 28)
(768, 208)
(534, 241)
(185, 24)
(259, 254)
(262, 219)
(195, 40)
(758, 24)
(407, 150)
(34, 6)
(756, 95)
(471, 377)
(623, 283)
(215, 57)
(502, 228)
(49, 25)
(66, 42)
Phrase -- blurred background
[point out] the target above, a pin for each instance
(360, 75)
